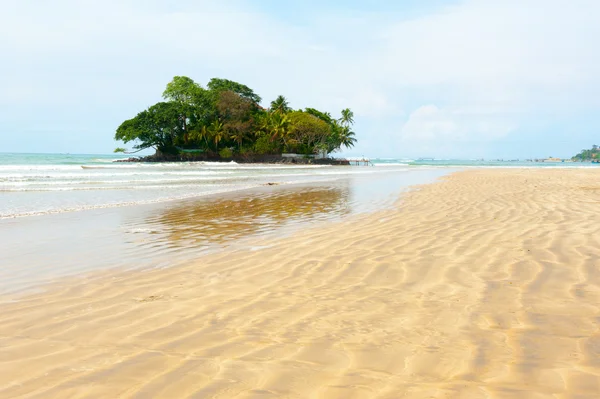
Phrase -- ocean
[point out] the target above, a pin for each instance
(37, 184)
(72, 215)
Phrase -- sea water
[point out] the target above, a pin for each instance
(36, 184)
(64, 214)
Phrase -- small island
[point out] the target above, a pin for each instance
(591, 155)
(225, 122)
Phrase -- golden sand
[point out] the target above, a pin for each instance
(484, 285)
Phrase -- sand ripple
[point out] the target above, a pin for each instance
(485, 285)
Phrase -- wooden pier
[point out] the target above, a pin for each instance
(361, 162)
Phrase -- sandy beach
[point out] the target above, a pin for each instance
(485, 284)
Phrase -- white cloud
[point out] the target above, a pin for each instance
(449, 126)
(429, 123)
(487, 65)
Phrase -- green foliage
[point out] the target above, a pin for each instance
(157, 127)
(308, 130)
(119, 150)
(347, 118)
(324, 116)
(226, 117)
(237, 114)
(226, 153)
(592, 154)
(217, 132)
(280, 105)
(279, 125)
(264, 145)
(181, 89)
(341, 135)
(219, 85)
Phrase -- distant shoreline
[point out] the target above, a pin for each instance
(258, 159)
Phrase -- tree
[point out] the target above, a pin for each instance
(181, 90)
(217, 132)
(192, 99)
(236, 113)
(588, 155)
(227, 115)
(280, 105)
(307, 130)
(346, 138)
(158, 127)
(347, 118)
(324, 116)
(220, 85)
(279, 127)
(263, 124)
(201, 135)
(237, 136)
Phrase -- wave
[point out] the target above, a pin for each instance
(106, 187)
(37, 183)
(204, 166)
(174, 176)
(38, 167)
(116, 204)
(75, 176)
(189, 195)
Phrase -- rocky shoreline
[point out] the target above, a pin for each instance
(269, 159)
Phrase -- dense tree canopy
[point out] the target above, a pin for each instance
(219, 85)
(226, 118)
(159, 127)
(280, 105)
(592, 154)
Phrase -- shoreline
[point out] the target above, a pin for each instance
(142, 236)
(240, 159)
(483, 284)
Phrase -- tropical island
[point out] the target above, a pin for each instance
(591, 155)
(225, 121)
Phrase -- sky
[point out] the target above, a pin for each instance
(447, 79)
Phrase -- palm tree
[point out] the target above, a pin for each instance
(280, 127)
(347, 118)
(280, 105)
(238, 136)
(202, 134)
(263, 124)
(217, 132)
(340, 136)
(346, 137)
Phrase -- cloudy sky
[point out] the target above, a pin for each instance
(429, 78)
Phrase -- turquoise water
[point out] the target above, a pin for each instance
(99, 159)
(79, 221)
(36, 184)
(462, 163)
(57, 159)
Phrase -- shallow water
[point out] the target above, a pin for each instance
(39, 249)
(36, 184)
(39, 184)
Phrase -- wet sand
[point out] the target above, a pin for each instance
(484, 285)
(40, 249)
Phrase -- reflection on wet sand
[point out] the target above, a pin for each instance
(484, 286)
(202, 223)
(38, 250)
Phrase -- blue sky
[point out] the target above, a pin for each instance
(464, 79)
